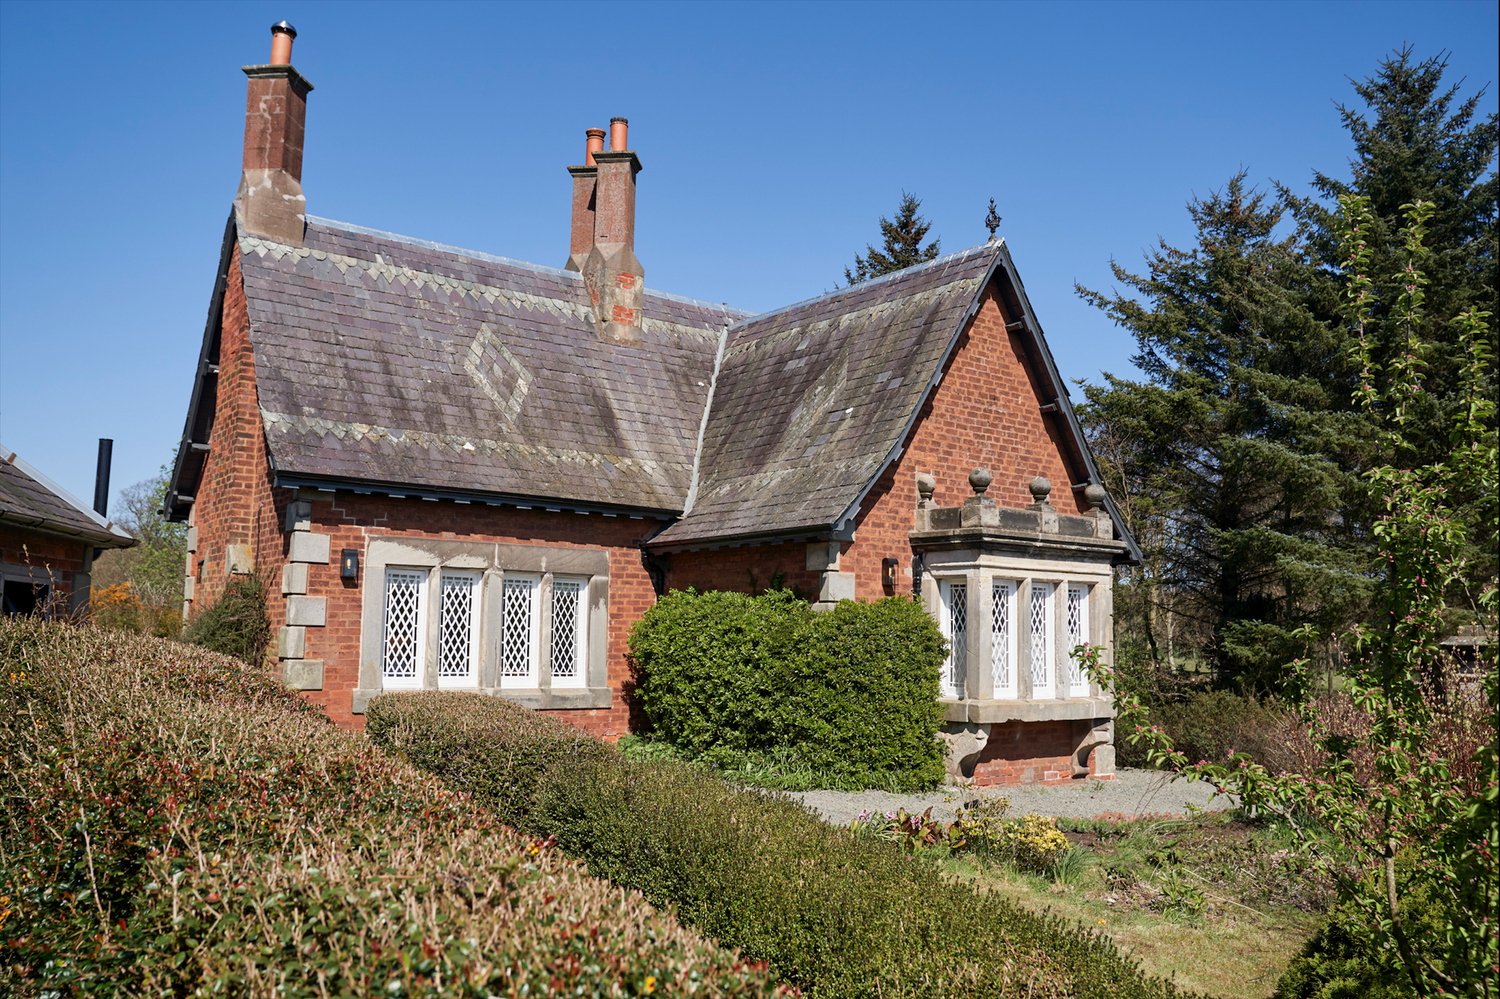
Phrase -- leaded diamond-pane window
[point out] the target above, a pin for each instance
(405, 627)
(519, 639)
(569, 607)
(956, 630)
(1043, 683)
(1078, 681)
(1002, 639)
(457, 645)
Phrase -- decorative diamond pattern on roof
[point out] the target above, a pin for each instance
(456, 643)
(515, 652)
(1041, 647)
(958, 631)
(565, 599)
(403, 605)
(1000, 665)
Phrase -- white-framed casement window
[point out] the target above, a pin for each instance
(521, 634)
(1043, 673)
(955, 627)
(458, 628)
(1078, 634)
(1003, 638)
(404, 653)
(570, 623)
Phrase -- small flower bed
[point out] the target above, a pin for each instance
(1031, 843)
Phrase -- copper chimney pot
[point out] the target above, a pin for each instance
(595, 144)
(282, 34)
(618, 128)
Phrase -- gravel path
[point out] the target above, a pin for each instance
(1131, 793)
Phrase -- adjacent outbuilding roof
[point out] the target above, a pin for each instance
(31, 501)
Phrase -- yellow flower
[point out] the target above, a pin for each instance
(650, 984)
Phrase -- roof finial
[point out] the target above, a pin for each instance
(992, 221)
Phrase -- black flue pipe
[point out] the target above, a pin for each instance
(101, 476)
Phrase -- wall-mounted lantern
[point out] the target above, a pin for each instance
(888, 573)
(349, 564)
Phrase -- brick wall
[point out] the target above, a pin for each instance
(235, 502)
(351, 521)
(743, 570)
(49, 561)
(1028, 753)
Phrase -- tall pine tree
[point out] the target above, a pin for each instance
(1415, 139)
(903, 244)
(1234, 446)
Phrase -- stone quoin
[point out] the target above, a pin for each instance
(472, 473)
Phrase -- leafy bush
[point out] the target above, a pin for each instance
(1342, 962)
(835, 914)
(236, 624)
(176, 823)
(1209, 724)
(851, 694)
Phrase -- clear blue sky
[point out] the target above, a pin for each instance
(773, 137)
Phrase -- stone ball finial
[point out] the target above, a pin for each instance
(1094, 493)
(1040, 489)
(926, 486)
(980, 480)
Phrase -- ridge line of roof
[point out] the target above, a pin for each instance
(510, 262)
(12, 458)
(948, 258)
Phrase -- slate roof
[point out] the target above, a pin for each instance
(31, 501)
(383, 359)
(391, 364)
(812, 400)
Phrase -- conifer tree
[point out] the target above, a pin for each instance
(1233, 441)
(903, 244)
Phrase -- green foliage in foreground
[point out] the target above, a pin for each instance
(835, 914)
(177, 824)
(236, 624)
(753, 682)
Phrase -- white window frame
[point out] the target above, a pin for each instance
(1078, 679)
(1041, 641)
(511, 583)
(419, 577)
(1004, 674)
(475, 579)
(954, 679)
(580, 632)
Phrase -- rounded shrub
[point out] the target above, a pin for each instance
(851, 693)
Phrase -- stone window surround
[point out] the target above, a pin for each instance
(493, 560)
(979, 571)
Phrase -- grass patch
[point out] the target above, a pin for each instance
(1214, 903)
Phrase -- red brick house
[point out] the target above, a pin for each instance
(470, 472)
(47, 541)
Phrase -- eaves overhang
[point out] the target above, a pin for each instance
(396, 490)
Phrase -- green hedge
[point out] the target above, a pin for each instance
(178, 824)
(852, 693)
(834, 914)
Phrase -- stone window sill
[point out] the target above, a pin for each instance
(548, 699)
(994, 712)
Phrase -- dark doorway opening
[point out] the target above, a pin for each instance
(24, 597)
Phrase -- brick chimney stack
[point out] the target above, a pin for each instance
(584, 185)
(604, 201)
(270, 202)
